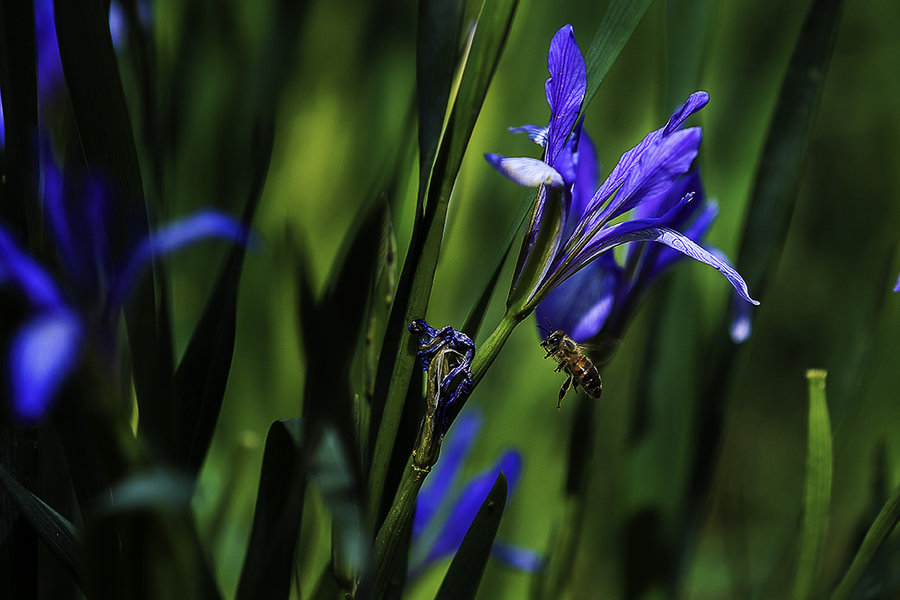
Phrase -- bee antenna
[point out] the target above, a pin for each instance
(547, 329)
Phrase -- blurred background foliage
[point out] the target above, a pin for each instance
(346, 118)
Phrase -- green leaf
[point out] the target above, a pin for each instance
(56, 532)
(536, 259)
(616, 27)
(414, 289)
(464, 575)
(104, 129)
(437, 53)
(269, 560)
(202, 373)
(816, 488)
(881, 528)
(688, 27)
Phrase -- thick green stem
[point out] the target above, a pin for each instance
(491, 347)
(396, 526)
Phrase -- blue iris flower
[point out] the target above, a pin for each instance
(81, 305)
(573, 223)
(436, 538)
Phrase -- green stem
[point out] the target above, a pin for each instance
(396, 526)
(491, 347)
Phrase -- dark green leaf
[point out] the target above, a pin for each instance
(269, 561)
(437, 51)
(57, 533)
(616, 27)
(199, 384)
(464, 575)
(104, 129)
(688, 25)
(417, 278)
(816, 488)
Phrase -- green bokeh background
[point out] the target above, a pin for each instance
(344, 117)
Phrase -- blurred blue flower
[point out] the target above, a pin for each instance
(443, 518)
(572, 223)
(897, 285)
(83, 302)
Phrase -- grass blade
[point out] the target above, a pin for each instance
(56, 532)
(269, 560)
(464, 575)
(816, 488)
(616, 27)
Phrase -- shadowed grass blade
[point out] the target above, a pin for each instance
(816, 488)
(57, 533)
(414, 289)
(464, 575)
(269, 560)
(202, 373)
(616, 27)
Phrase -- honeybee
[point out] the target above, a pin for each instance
(571, 359)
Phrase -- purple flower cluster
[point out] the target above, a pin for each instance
(565, 254)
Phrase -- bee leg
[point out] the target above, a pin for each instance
(558, 368)
(563, 390)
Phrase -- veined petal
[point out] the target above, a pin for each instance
(518, 557)
(581, 304)
(565, 89)
(198, 227)
(469, 502)
(647, 230)
(454, 450)
(529, 172)
(42, 355)
(536, 134)
(29, 276)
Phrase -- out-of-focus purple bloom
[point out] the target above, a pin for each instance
(442, 518)
(572, 224)
(85, 300)
(897, 285)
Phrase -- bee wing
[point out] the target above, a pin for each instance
(601, 353)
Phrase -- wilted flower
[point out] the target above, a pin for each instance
(570, 226)
(85, 299)
(443, 518)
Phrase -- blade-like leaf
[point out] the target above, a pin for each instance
(616, 27)
(464, 575)
(414, 289)
(201, 376)
(269, 560)
(439, 29)
(816, 488)
(56, 532)
(881, 528)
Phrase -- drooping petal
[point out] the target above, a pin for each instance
(518, 557)
(581, 304)
(200, 226)
(469, 502)
(529, 172)
(30, 277)
(695, 230)
(43, 354)
(536, 134)
(565, 89)
(648, 230)
(695, 102)
(454, 449)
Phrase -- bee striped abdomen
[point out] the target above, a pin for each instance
(585, 373)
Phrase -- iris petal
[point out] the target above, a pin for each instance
(43, 353)
(529, 172)
(565, 89)
(29, 276)
(518, 557)
(536, 134)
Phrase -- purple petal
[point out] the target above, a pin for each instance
(897, 286)
(529, 172)
(586, 179)
(454, 449)
(581, 304)
(118, 26)
(695, 231)
(647, 230)
(565, 89)
(2, 126)
(470, 501)
(536, 134)
(201, 226)
(695, 102)
(29, 276)
(518, 557)
(741, 325)
(43, 353)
